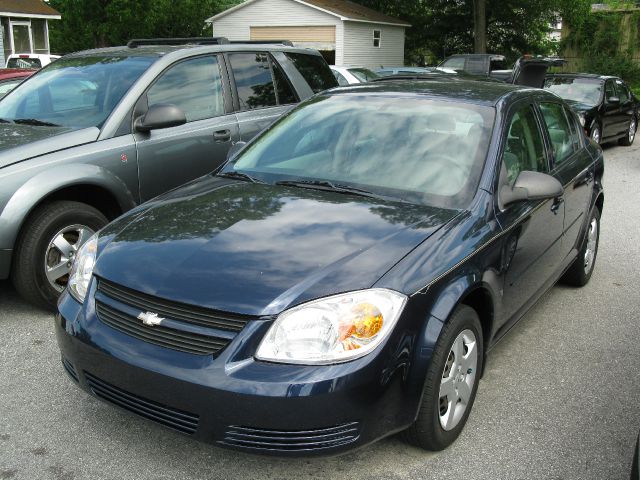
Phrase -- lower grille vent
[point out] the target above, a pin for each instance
(177, 419)
(70, 369)
(291, 440)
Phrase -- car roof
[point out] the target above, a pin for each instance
(467, 91)
(162, 50)
(583, 75)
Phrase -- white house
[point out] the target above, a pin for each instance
(25, 27)
(346, 33)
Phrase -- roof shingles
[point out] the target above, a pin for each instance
(354, 11)
(28, 7)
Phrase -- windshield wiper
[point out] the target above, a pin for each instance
(336, 187)
(35, 122)
(239, 176)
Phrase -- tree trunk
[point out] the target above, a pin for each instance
(479, 26)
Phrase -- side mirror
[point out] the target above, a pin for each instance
(613, 100)
(531, 186)
(161, 115)
(235, 149)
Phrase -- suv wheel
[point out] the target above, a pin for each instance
(596, 132)
(628, 139)
(451, 383)
(47, 246)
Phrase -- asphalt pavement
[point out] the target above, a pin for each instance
(559, 399)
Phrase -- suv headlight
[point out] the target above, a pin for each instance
(581, 118)
(82, 269)
(334, 329)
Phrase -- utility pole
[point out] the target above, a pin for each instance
(480, 26)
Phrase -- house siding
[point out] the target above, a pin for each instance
(3, 60)
(270, 13)
(359, 49)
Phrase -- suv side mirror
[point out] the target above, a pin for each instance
(161, 115)
(531, 186)
(613, 100)
(235, 149)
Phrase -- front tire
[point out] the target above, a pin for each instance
(596, 132)
(580, 271)
(47, 246)
(451, 383)
(627, 140)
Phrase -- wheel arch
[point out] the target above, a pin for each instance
(86, 183)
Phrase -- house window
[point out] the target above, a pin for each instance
(377, 35)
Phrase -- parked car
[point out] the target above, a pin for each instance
(635, 466)
(10, 78)
(344, 275)
(352, 75)
(30, 60)
(608, 110)
(387, 71)
(482, 64)
(98, 132)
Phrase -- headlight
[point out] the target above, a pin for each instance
(581, 118)
(333, 329)
(82, 269)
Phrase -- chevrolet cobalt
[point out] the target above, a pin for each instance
(344, 275)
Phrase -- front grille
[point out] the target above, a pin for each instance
(171, 417)
(181, 340)
(174, 310)
(70, 369)
(291, 440)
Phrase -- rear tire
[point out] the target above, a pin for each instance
(39, 266)
(580, 271)
(628, 139)
(442, 415)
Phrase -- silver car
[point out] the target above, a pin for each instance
(98, 132)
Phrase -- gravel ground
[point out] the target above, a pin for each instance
(559, 399)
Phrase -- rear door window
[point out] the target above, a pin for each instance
(253, 79)
(315, 71)
(623, 93)
(194, 86)
(560, 133)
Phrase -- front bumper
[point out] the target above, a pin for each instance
(235, 401)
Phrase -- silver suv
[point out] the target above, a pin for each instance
(98, 132)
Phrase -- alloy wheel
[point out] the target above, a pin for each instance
(595, 134)
(632, 130)
(592, 245)
(458, 379)
(61, 253)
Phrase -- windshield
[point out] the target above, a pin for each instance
(24, 63)
(363, 74)
(583, 90)
(403, 147)
(74, 92)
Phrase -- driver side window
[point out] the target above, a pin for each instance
(524, 148)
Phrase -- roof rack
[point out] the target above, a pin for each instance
(287, 43)
(138, 42)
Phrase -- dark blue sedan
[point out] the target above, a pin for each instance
(343, 277)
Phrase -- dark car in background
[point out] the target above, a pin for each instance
(343, 277)
(10, 78)
(607, 108)
(97, 132)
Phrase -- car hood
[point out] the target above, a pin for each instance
(257, 249)
(580, 107)
(22, 142)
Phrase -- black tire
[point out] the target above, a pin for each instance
(427, 431)
(28, 270)
(578, 275)
(596, 126)
(628, 139)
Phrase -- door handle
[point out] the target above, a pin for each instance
(556, 205)
(221, 136)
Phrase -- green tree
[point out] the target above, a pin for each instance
(101, 23)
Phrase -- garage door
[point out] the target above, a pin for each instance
(317, 34)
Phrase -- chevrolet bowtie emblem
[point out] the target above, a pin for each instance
(150, 319)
